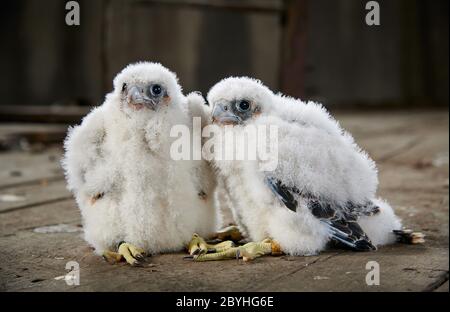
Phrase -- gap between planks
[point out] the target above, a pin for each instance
(37, 204)
(32, 182)
(441, 280)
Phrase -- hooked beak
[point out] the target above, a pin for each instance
(222, 115)
(137, 99)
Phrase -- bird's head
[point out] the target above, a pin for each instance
(238, 100)
(146, 87)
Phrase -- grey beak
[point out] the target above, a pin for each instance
(136, 96)
(222, 115)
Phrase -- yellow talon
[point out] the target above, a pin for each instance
(222, 246)
(247, 252)
(198, 246)
(132, 254)
(254, 250)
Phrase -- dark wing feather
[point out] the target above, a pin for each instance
(283, 193)
(343, 226)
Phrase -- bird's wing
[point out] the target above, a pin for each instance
(342, 223)
(204, 177)
(197, 107)
(308, 114)
(83, 162)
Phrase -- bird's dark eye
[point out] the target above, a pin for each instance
(156, 90)
(124, 87)
(243, 105)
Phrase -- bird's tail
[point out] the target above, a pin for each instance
(380, 226)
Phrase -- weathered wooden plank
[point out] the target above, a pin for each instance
(171, 273)
(30, 137)
(17, 177)
(412, 138)
(382, 149)
(405, 178)
(385, 123)
(419, 195)
(407, 268)
(430, 149)
(8, 129)
(36, 257)
(17, 167)
(45, 255)
(28, 196)
(59, 212)
(402, 268)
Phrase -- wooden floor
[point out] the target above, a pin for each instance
(40, 227)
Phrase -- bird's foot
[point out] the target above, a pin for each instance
(223, 255)
(247, 252)
(254, 250)
(228, 233)
(133, 255)
(222, 246)
(407, 236)
(198, 246)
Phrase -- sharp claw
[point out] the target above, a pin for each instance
(195, 252)
(188, 258)
(137, 264)
(133, 255)
(408, 236)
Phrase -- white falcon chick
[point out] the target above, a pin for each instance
(324, 186)
(132, 195)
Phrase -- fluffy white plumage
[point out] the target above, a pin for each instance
(318, 162)
(122, 152)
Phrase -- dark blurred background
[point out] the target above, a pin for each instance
(319, 49)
